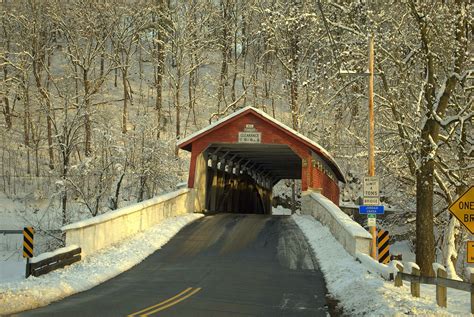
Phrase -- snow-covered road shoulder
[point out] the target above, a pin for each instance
(93, 270)
(361, 293)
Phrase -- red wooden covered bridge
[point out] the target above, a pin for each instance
(236, 161)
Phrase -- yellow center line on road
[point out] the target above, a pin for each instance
(170, 302)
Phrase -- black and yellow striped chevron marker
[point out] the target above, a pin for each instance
(28, 234)
(383, 246)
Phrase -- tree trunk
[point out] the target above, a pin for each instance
(225, 55)
(160, 56)
(50, 137)
(64, 194)
(425, 241)
(293, 196)
(294, 101)
(192, 87)
(117, 193)
(26, 123)
(6, 101)
(87, 120)
(126, 97)
(160, 62)
(6, 112)
(45, 95)
(425, 244)
(178, 106)
(141, 189)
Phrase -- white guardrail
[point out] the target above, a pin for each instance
(99, 232)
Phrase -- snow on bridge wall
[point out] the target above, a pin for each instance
(99, 232)
(352, 236)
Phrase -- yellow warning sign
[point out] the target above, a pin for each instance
(28, 235)
(463, 209)
(470, 252)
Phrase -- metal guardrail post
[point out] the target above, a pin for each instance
(28, 268)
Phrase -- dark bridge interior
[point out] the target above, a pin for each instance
(240, 177)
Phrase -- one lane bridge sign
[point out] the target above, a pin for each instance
(463, 209)
(371, 210)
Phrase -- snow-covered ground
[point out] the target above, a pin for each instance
(363, 294)
(405, 249)
(39, 291)
(12, 266)
(279, 210)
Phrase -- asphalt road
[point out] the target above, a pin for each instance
(220, 265)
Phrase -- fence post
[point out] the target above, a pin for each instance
(28, 268)
(472, 293)
(441, 291)
(398, 277)
(415, 286)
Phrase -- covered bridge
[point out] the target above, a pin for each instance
(236, 161)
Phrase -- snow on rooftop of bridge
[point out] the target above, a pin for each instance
(217, 123)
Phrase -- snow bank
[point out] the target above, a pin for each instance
(106, 264)
(404, 248)
(280, 210)
(12, 268)
(375, 267)
(361, 293)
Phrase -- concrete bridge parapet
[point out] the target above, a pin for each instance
(99, 232)
(352, 236)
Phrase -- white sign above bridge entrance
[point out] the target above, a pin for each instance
(250, 135)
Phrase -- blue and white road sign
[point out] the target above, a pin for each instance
(371, 210)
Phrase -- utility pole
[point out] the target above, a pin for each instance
(371, 154)
(373, 229)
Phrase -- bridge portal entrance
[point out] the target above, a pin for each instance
(236, 161)
(243, 182)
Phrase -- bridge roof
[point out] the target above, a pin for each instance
(186, 143)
